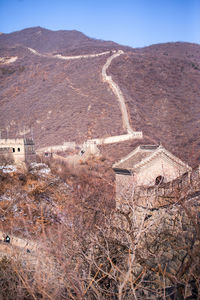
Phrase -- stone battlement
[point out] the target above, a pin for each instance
(12, 141)
(19, 150)
(117, 138)
(185, 187)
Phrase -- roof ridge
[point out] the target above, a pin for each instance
(122, 160)
(175, 158)
(159, 150)
(136, 150)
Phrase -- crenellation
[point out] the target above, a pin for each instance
(12, 141)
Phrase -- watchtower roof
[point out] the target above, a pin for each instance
(148, 147)
(142, 155)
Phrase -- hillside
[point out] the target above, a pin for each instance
(161, 88)
(67, 100)
(66, 237)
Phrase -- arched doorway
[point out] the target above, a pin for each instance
(159, 180)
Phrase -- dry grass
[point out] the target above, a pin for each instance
(80, 247)
(160, 85)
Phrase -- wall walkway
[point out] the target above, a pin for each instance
(116, 90)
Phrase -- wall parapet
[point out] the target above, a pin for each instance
(185, 187)
(11, 141)
(117, 138)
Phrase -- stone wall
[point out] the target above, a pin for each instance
(159, 166)
(21, 149)
(168, 244)
(117, 138)
(125, 187)
(17, 146)
(160, 225)
(56, 148)
(30, 155)
(186, 186)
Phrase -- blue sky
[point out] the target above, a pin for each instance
(136, 23)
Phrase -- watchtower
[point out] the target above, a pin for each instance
(17, 150)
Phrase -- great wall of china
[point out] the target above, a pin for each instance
(157, 206)
(119, 96)
(186, 187)
(152, 194)
(116, 90)
(131, 134)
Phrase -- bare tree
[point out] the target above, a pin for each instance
(141, 250)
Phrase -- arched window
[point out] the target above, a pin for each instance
(13, 149)
(82, 152)
(159, 180)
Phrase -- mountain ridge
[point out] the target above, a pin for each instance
(68, 100)
(40, 39)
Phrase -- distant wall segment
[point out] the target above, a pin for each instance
(116, 90)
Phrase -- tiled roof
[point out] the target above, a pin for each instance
(148, 147)
(142, 155)
(133, 160)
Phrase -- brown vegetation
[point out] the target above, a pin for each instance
(86, 249)
(74, 243)
(67, 100)
(6, 159)
(161, 87)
